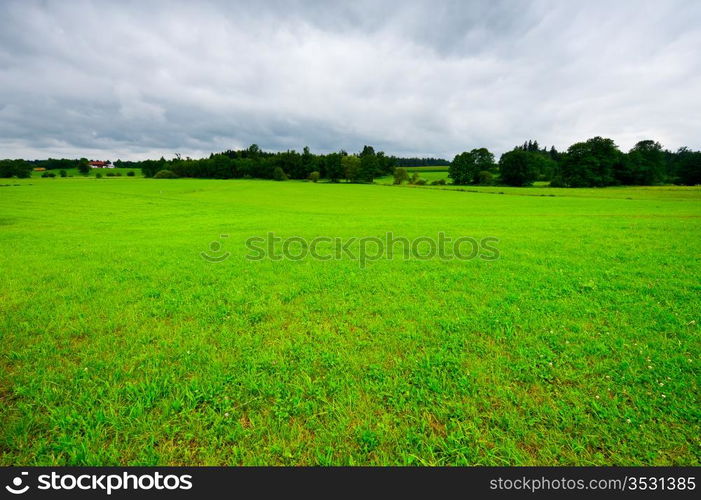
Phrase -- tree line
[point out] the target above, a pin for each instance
(597, 162)
(256, 163)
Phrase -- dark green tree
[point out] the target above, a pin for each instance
(516, 168)
(687, 167)
(84, 166)
(645, 163)
(461, 169)
(400, 175)
(334, 168)
(368, 168)
(351, 167)
(15, 168)
(591, 163)
(466, 167)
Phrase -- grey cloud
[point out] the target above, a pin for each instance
(137, 79)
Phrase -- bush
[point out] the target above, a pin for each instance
(279, 174)
(48, 174)
(165, 174)
(110, 174)
(98, 175)
(557, 182)
(118, 174)
(438, 182)
(420, 182)
(400, 175)
(485, 178)
(62, 173)
(130, 173)
(314, 176)
(414, 178)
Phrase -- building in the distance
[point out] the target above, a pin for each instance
(101, 164)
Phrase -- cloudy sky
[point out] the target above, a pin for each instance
(143, 79)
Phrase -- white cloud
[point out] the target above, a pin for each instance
(123, 79)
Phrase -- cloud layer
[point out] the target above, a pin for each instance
(138, 79)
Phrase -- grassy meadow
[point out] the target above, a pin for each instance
(120, 344)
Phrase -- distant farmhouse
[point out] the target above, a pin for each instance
(101, 164)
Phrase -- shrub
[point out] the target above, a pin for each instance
(485, 177)
(414, 178)
(98, 175)
(400, 175)
(130, 173)
(165, 174)
(314, 176)
(48, 174)
(118, 174)
(110, 174)
(62, 173)
(438, 182)
(279, 174)
(420, 182)
(557, 182)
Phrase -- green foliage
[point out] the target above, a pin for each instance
(400, 175)
(596, 162)
(333, 168)
(165, 174)
(466, 167)
(99, 175)
(84, 166)
(687, 167)
(130, 173)
(48, 174)
(411, 163)
(63, 173)
(517, 168)
(351, 167)
(369, 168)
(279, 174)
(485, 178)
(558, 182)
(438, 182)
(644, 164)
(15, 168)
(459, 170)
(314, 176)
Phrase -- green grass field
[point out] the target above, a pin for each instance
(428, 173)
(120, 344)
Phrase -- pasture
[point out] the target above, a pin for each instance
(120, 344)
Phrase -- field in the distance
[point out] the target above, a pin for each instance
(119, 344)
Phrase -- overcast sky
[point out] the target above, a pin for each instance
(141, 79)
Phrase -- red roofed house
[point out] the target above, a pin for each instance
(101, 164)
